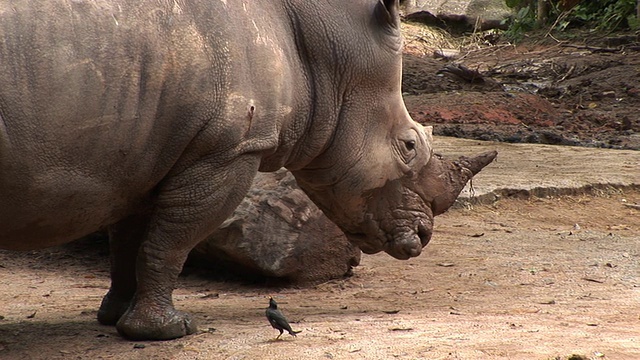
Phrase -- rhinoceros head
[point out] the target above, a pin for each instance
(376, 177)
(396, 216)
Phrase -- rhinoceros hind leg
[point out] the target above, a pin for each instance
(124, 241)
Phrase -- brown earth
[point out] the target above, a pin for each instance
(518, 279)
(565, 93)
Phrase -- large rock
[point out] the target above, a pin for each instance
(481, 14)
(278, 232)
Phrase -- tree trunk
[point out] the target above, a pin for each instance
(543, 12)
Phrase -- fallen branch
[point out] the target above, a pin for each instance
(633, 206)
(594, 49)
(569, 73)
(462, 72)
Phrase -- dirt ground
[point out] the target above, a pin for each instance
(518, 279)
(552, 278)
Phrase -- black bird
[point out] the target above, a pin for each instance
(277, 320)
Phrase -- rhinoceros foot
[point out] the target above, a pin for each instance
(152, 324)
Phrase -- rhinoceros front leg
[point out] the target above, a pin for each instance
(190, 205)
(124, 241)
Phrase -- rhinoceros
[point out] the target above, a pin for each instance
(151, 118)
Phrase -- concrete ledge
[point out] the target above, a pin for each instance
(524, 170)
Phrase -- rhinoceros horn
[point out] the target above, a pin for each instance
(443, 180)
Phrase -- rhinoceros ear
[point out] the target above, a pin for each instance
(387, 13)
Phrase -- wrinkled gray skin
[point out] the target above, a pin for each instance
(151, 118)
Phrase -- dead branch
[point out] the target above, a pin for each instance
(594, 49)
(633, 206)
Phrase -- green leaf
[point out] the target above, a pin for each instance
(513, 3)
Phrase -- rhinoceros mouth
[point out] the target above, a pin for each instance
(363, 241)
(403, 245)
(408, 244)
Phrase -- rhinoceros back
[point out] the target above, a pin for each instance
(98, 100)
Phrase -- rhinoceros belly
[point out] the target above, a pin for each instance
(56, 207)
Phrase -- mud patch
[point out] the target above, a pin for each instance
(550, 94)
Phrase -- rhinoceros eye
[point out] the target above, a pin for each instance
(406, 145)
(410, 145)
(409, 151)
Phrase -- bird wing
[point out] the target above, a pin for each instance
(277, 319)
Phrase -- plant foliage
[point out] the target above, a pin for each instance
(597, 15)
(606, 15)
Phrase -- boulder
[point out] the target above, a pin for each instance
(277, 232)
(474, 14)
